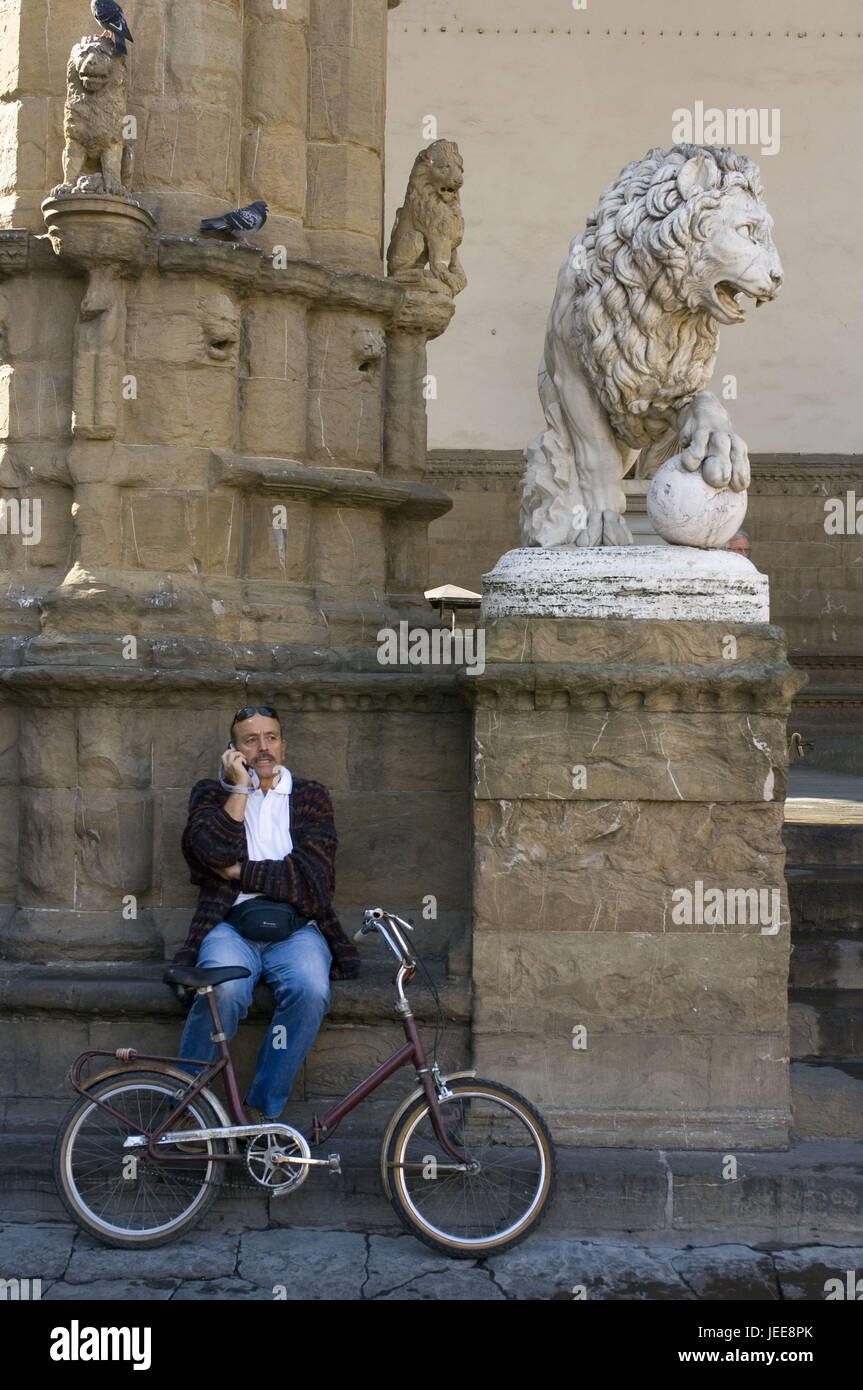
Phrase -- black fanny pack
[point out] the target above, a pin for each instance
(261, 919)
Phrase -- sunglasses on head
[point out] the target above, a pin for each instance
(248, 710)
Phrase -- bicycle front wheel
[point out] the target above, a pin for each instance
(494, 1200)
(120, 1195)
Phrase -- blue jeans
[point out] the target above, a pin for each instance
(297, 971)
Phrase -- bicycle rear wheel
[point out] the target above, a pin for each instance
(501, 1199)
(120, 1195)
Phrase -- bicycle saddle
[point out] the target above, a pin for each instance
(193, 976)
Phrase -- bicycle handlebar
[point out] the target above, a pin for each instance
(388, 924)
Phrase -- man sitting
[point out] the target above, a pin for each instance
(269, 839)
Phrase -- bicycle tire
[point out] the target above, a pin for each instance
(98, 1191)
(472, 1204)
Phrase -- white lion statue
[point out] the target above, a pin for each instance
(632, 338)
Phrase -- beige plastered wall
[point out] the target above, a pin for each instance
(547, 103)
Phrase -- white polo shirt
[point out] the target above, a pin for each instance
(268, 823)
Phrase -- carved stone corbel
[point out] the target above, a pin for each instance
(110, 238)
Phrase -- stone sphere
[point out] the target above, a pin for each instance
(686, 510)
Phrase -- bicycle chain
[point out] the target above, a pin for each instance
(225, 1182)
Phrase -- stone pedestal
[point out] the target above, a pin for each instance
(631, 931)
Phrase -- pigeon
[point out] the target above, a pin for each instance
(113, 22)
(248, 219)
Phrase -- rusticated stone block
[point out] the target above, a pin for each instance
(32, 405)
(629, 641)
(272, 415)
(273, 378)
(9, 846)
(344, 188)
(114, 835)
(35, 1060)
(347, 97)
(37, 936)
(646, 984)
(198, 532)
(48, 748)
(175, 887)
(553, 866)
(348, 549)
(358, 23)
(39, 531)
(205, 58)
(279, 545)
(115, 748)
(318, 748)
(344, 407)
(9, 724)
(273, 167)
(394, 751)
(188, 741)
(276, 68)
(203, 148)
(637, 754)
(635, 1071)
(46, 863)
(397, 846)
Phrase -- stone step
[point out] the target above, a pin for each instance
(811, 1193)
(826, 961)
(823, 844)
(826, 1023)
(827, 1100)
(825, 897)
(130, 990)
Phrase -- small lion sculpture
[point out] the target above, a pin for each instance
(632, 339)
(94, 159)
(429, 226)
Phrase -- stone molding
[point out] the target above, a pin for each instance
(750, 687)
(799, 470)
(355, 487)
(14, 251)
(298, 689)
(229, 261)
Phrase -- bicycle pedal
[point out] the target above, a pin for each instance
(335, 1163)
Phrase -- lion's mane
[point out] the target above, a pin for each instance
(634, 272)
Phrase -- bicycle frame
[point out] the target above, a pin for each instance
(412, 1051)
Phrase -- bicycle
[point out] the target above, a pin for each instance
(468, 1164)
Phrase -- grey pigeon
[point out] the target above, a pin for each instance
(248, 219)
(113, 22)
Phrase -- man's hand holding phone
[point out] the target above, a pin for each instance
(235, 772)
(234, 769)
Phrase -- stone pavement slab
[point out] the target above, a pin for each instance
(302, 1264)
(803, 1273)
(727, 1271)
(306, 1266)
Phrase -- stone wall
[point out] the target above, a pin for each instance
(203, 425)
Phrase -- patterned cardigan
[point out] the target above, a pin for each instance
(305, 877)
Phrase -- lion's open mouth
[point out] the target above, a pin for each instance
(727, 293)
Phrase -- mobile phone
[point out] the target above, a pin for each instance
(256, 781)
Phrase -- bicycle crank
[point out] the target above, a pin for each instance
(281, 1161)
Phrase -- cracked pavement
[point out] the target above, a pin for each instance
(286, 1263)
